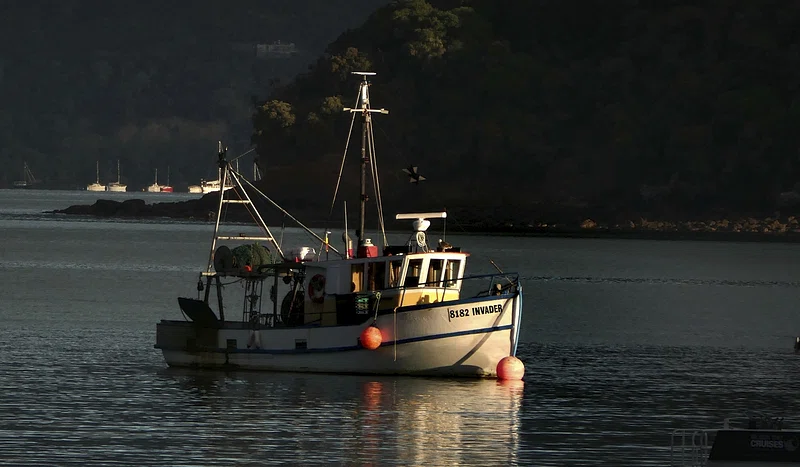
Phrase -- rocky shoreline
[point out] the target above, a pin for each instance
(774, 228)
(204, 208)
(741, 230)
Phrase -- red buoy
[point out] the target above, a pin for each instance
(371, 338)
(510, 368)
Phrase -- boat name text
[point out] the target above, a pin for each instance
(475, 311)
(767, 443)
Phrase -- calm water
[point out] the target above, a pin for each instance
(623, 341)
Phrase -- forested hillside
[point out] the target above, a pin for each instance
(674, 108)
(514, 109)
(152, 83)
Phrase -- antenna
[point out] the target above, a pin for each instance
(364, 96)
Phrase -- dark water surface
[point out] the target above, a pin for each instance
(623, 341)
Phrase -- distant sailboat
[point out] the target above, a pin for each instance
(118, 185)
(155, 187)
(166, 188)
(96, 186)
(27, 178)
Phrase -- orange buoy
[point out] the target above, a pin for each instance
(510, 368)
(370, 338)
(248, 268)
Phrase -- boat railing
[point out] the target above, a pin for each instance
(482, 285)
(478, 285)
(690, 447)
(492, 278)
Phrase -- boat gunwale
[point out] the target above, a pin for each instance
(348, 348)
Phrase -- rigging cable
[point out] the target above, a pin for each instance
(339, 178)
(287, 214)
(376, 184)
(341, 167)
(263, 225)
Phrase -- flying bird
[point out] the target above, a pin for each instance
(414, 176)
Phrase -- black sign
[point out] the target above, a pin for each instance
(762, 445)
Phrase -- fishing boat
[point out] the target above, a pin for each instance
(403, 309)
(155, 187)
(117, 186)
(751, 441)
(28, 180)
(96, 186)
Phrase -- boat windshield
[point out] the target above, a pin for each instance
(412, 273)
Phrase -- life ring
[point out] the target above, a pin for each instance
(316, 288)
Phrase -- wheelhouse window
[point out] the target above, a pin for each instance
(394, 272)
(357, 277)
(434, 273)
(451, 272)
(412, 274)
(376, 276)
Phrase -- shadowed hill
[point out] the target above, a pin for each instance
(677, 110)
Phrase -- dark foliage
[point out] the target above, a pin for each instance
(151, 83)
(675, 109)
(523, 109)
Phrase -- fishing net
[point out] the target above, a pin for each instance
(254, 254)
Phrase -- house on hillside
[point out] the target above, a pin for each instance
(276, 49)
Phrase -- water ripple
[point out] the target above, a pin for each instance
(581, 405)
(663, 281)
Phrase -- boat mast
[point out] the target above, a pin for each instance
(222, 163)
(366, 111)
(28, 175)
(362, 205)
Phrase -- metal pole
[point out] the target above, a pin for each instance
(364, 162)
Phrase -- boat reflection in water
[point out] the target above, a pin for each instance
(363, 420)
(456, 423)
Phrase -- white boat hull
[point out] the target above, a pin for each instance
(213, 189)
(418, 340)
